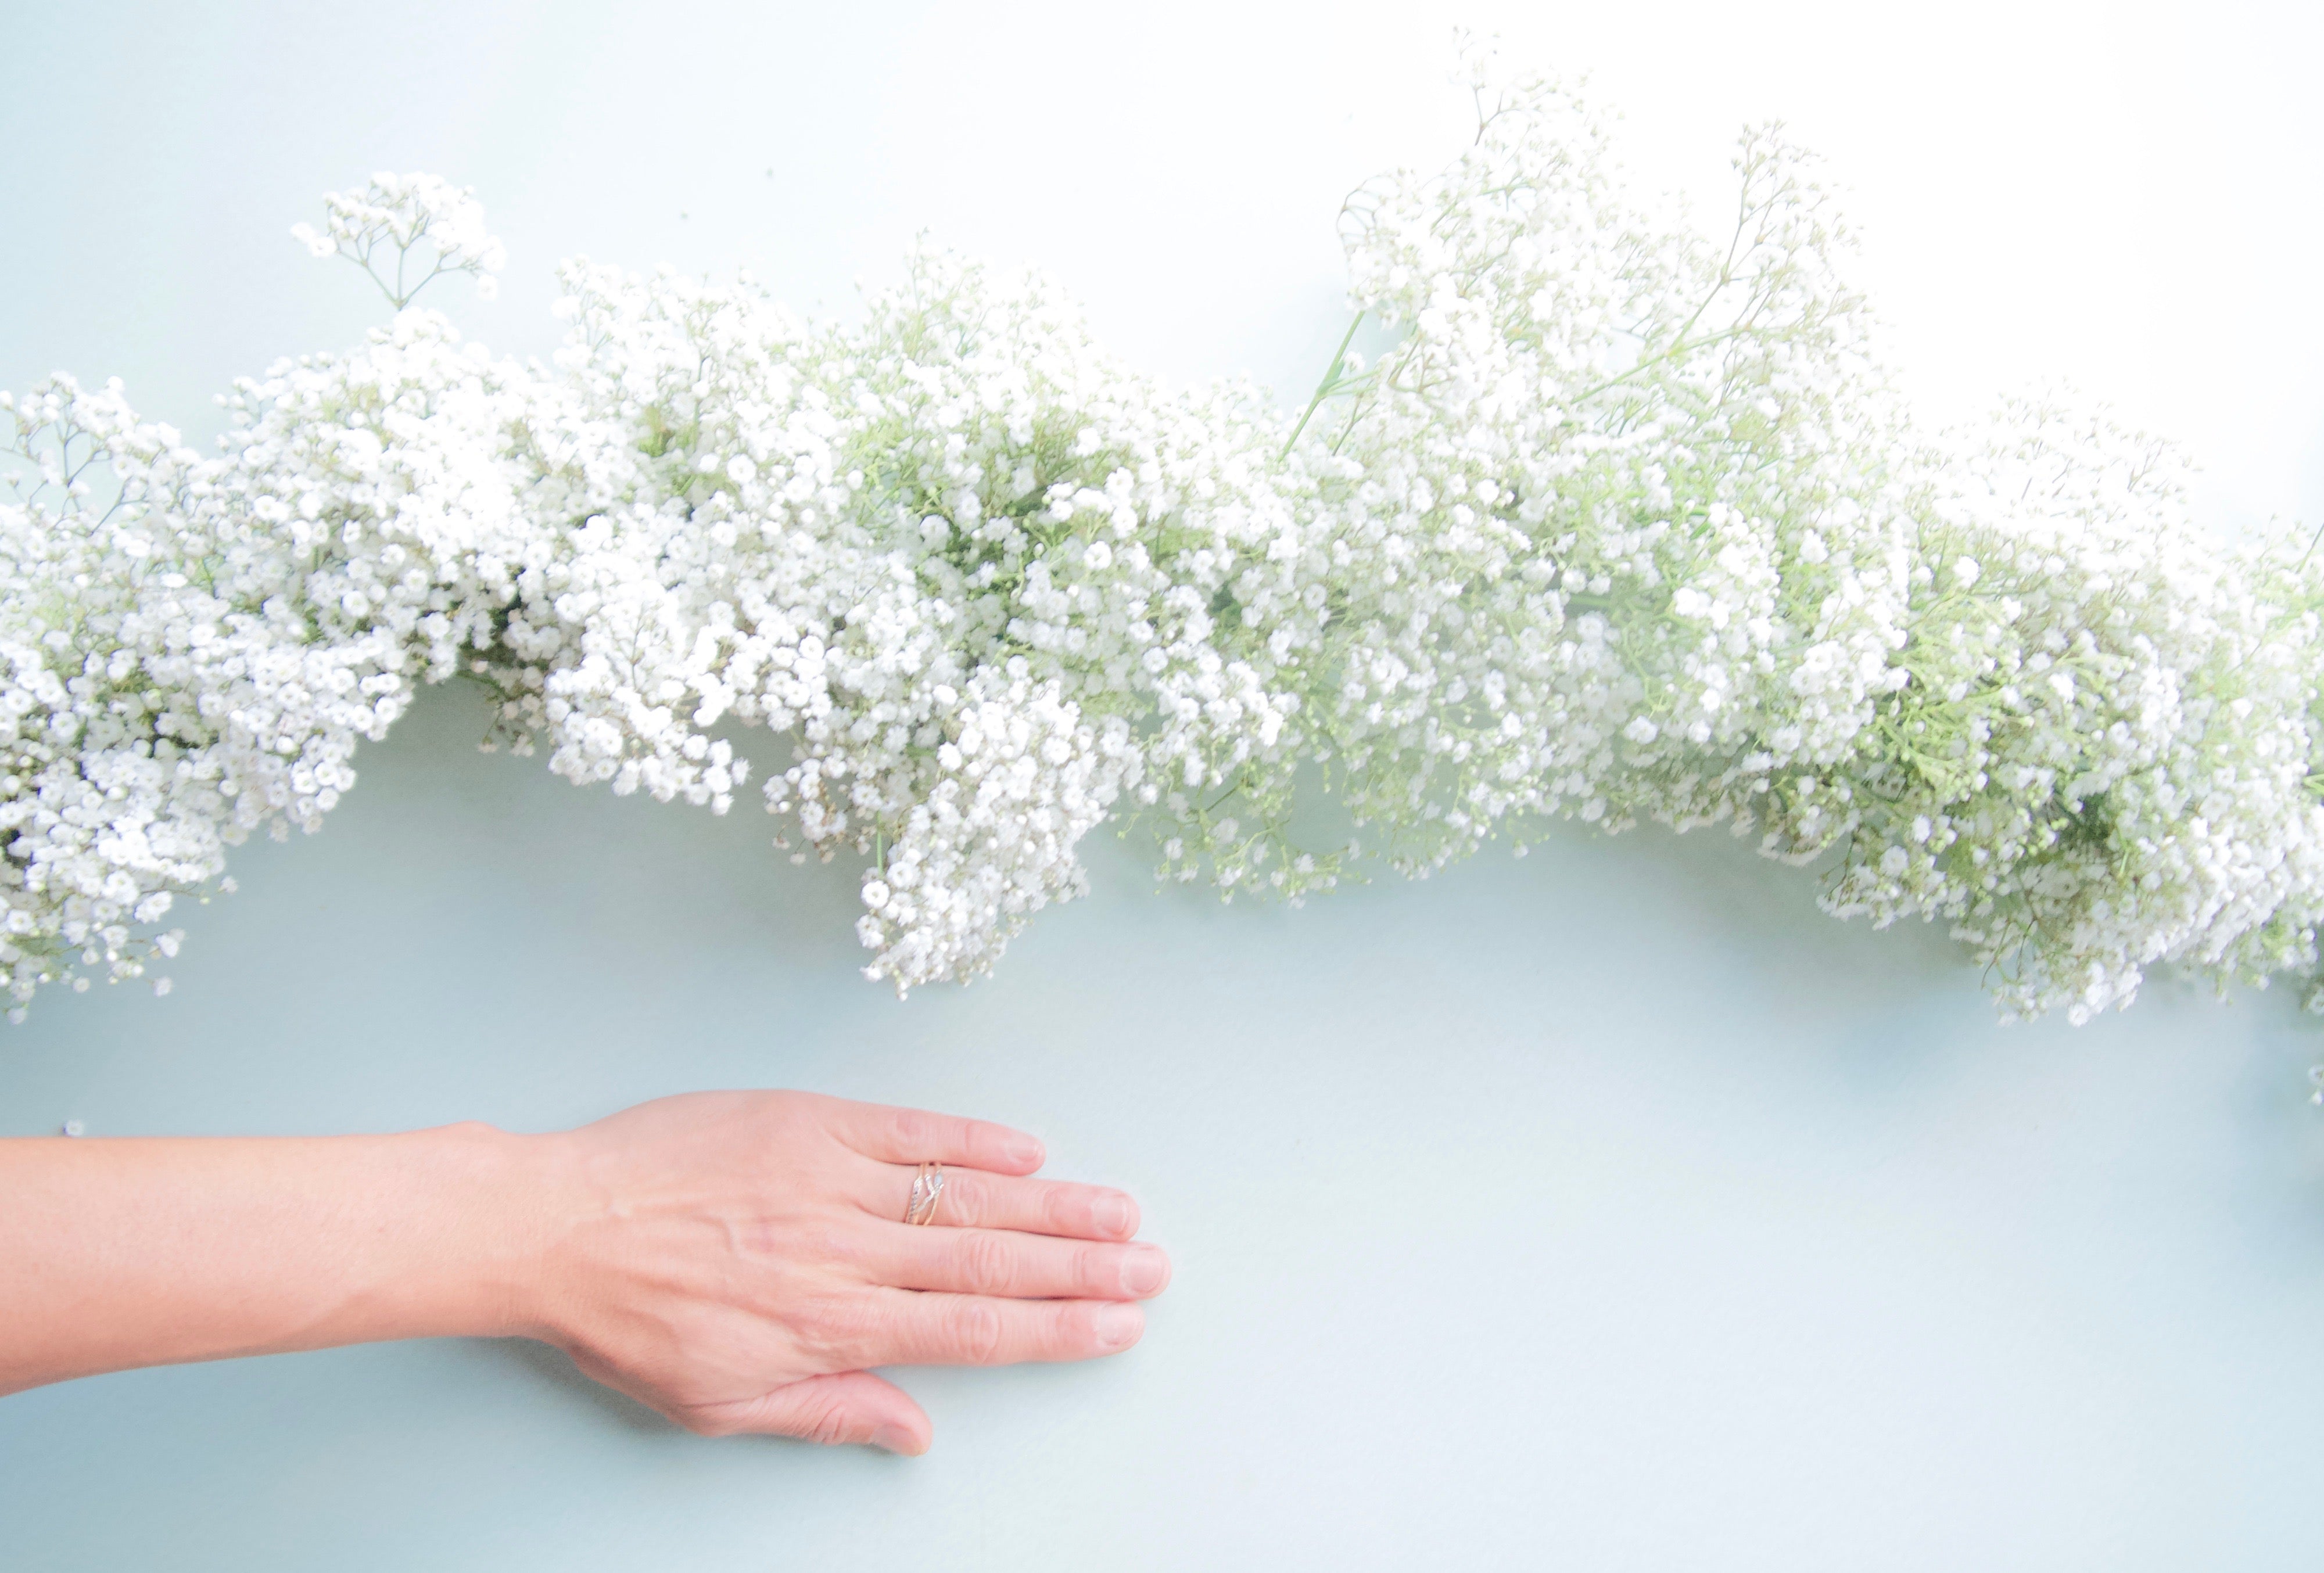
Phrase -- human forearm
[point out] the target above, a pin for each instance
(127, 1252)
(738, 1260)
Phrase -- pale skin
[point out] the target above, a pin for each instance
(737, 1260)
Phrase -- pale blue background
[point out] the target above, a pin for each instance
(1609, 1209)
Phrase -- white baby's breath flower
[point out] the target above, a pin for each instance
(1622, 523)
(404, 230)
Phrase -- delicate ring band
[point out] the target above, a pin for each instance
(927, 1190)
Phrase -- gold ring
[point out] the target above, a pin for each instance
(927, 1190)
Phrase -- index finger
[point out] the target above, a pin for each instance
(916, 1136)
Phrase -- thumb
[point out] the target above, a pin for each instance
(852, 1407)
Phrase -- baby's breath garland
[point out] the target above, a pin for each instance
(1623, 524)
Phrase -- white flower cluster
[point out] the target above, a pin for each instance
(1621, 522)
(401, 214)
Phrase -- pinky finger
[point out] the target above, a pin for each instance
(932, 1328)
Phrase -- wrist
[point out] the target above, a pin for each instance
(496, 1193)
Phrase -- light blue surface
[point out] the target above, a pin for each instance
(1611, 1209)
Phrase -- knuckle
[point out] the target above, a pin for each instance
(968, 1199)
(826, 1425)
(839, 1243)
(1072, 1330)
(987, 1263)
(830, 1119)
(978, 1332)
(1095, 1270)
(839, 1328)
(1061, 1211)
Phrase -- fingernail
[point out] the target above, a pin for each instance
(896, 1439)
(1027, 1152)
(1111, 1215)
(1143, 1271)
(1118, 1325)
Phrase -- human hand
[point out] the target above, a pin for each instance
(736, 1260)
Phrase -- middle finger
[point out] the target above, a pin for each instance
(1019, 1266)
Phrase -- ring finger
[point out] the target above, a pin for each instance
(977, 1198)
